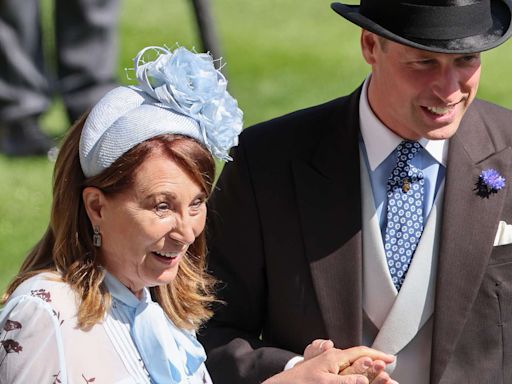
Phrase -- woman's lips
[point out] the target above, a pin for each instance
(167, 258)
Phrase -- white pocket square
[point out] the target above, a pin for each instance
(504, 234)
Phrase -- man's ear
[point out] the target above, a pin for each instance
(369, 44)
(94, 202)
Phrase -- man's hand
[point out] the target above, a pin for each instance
(372, 369)
(336, 366)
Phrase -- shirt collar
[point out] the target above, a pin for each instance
(380, 141)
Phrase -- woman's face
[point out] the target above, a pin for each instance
(147, 229)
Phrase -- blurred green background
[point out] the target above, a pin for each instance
(281, 55)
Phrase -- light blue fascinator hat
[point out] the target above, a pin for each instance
(179, 92)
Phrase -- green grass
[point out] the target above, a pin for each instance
(281, 55)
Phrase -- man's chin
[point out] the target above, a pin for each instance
(443, 133)
(436, 130)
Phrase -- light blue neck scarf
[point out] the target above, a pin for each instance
(170, 354)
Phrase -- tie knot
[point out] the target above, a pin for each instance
(404, 173)
(407, 149)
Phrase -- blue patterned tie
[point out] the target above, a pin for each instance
(404, 212)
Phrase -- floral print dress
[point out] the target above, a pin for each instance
(41, 343)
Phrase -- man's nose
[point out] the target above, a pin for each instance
(446, 86)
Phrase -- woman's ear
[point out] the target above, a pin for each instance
(94, 202)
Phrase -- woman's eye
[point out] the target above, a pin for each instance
(162, 207)
(196, 204)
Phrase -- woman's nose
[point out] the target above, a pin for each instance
(183, 232)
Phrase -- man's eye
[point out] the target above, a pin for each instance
(470, 58)
(424, 62)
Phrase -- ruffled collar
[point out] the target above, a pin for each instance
(168, 352)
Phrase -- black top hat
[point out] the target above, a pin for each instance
(447, 26)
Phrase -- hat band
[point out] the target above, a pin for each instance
(434, 22)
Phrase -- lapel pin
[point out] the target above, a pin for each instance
(490, 181)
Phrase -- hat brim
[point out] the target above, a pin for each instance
(501, 11)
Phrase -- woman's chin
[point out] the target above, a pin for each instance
(164, 277)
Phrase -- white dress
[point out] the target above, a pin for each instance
(41, 343)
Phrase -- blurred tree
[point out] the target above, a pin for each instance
(206, 27)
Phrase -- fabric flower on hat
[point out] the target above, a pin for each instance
(189, 83)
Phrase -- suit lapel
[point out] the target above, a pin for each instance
(379, 293)
(329, 202)
(468, 229)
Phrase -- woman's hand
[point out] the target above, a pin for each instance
(373, 370)
(317, 347)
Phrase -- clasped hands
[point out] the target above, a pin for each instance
(324, 364)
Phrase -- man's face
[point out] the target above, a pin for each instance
(417, 93)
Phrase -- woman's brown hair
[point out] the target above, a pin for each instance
(67, 248)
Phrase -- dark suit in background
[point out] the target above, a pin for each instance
(86, 56)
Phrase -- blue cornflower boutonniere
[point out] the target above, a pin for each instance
(490, 181)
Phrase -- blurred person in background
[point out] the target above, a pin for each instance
(86, 56)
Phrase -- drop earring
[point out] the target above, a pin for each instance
(96, 237)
